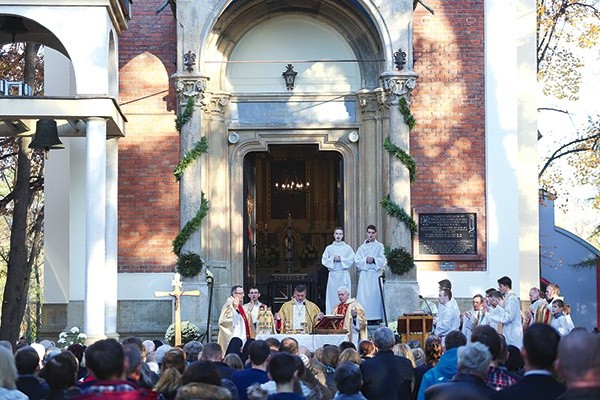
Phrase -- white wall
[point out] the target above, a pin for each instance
(281, 40)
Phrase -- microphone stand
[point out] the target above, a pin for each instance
(427, 304)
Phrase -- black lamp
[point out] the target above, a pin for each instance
(290, 76)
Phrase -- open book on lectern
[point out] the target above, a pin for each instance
(328, 323)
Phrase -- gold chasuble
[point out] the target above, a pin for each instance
(350, 324)
(242, 328)
(291, 309)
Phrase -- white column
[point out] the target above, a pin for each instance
(111, 237)
(502, 146)
(95, 242)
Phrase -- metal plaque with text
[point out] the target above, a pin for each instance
(448, 233)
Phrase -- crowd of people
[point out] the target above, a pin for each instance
(495, 350)
(480, 367)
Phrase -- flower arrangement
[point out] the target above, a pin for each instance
(308, 255)
(189, 332)
(70, 337)
(269, 256)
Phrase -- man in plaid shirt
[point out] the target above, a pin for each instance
(498, 376)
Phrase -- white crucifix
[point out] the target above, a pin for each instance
(176, 295)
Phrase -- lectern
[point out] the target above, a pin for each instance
(327, 325)
(415, 326)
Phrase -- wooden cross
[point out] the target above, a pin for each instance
(176, 295)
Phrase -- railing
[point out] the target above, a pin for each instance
(8, 88)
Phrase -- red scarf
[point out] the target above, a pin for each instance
(246, 325)
(341, 309)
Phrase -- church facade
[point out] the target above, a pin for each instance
(280, 162)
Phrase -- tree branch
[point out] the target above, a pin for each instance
(558, 153)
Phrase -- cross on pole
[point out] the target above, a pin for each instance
(176, 295)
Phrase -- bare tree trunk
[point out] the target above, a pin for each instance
(19, 260)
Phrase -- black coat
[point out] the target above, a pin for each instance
(532, 387)
(462, 386)
(387, 376)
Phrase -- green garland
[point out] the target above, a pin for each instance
(189, 264)
(191, 226)
(405, 111)
(186, 115)
(399, 260)
(403, 156)
(394, 210)
(200, 148)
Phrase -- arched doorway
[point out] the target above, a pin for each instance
(294, 200)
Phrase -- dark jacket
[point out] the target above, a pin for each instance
(34, 387)
(532, 387)
(462, 386)
(581, 394)
(387, 376)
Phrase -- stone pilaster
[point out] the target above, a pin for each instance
(192, 85)
(372, 117)
(401, 291)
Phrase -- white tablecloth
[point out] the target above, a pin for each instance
(311, 341)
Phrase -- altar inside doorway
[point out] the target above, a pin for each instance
(294, 200)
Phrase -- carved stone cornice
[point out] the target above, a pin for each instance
(216, 104)
(190, 86)
(398, 84)
(372, 103)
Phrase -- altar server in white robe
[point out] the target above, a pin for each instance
(370, 261)
(338, 257)
(508, 313)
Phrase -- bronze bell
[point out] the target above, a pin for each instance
(46, 136)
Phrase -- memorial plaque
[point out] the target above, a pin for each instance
(448, 233)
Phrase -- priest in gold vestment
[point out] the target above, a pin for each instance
(297, 314)
(234, 320)
(354, 320)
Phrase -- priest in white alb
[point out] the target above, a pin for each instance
(338, 257)
(370, 261)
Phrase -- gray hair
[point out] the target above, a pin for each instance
(383, 338)
(192, 350)
(474, 359)
(344, 288)
(8, 369)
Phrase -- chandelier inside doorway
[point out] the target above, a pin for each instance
(290, 183)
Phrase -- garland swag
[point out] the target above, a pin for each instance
(200, 148)
(403, 156)
(394, 210)
(189, 264)
(191, 226)
(405, 111)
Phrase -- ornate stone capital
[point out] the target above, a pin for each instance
(190, 85)
(397, 85)
(371, 103)
(217, 104)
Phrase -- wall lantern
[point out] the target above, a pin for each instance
(290, 76)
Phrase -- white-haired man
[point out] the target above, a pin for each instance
(468, 383)
(354, 320)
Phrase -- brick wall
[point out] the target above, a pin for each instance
(148, 192)
(448, 142)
